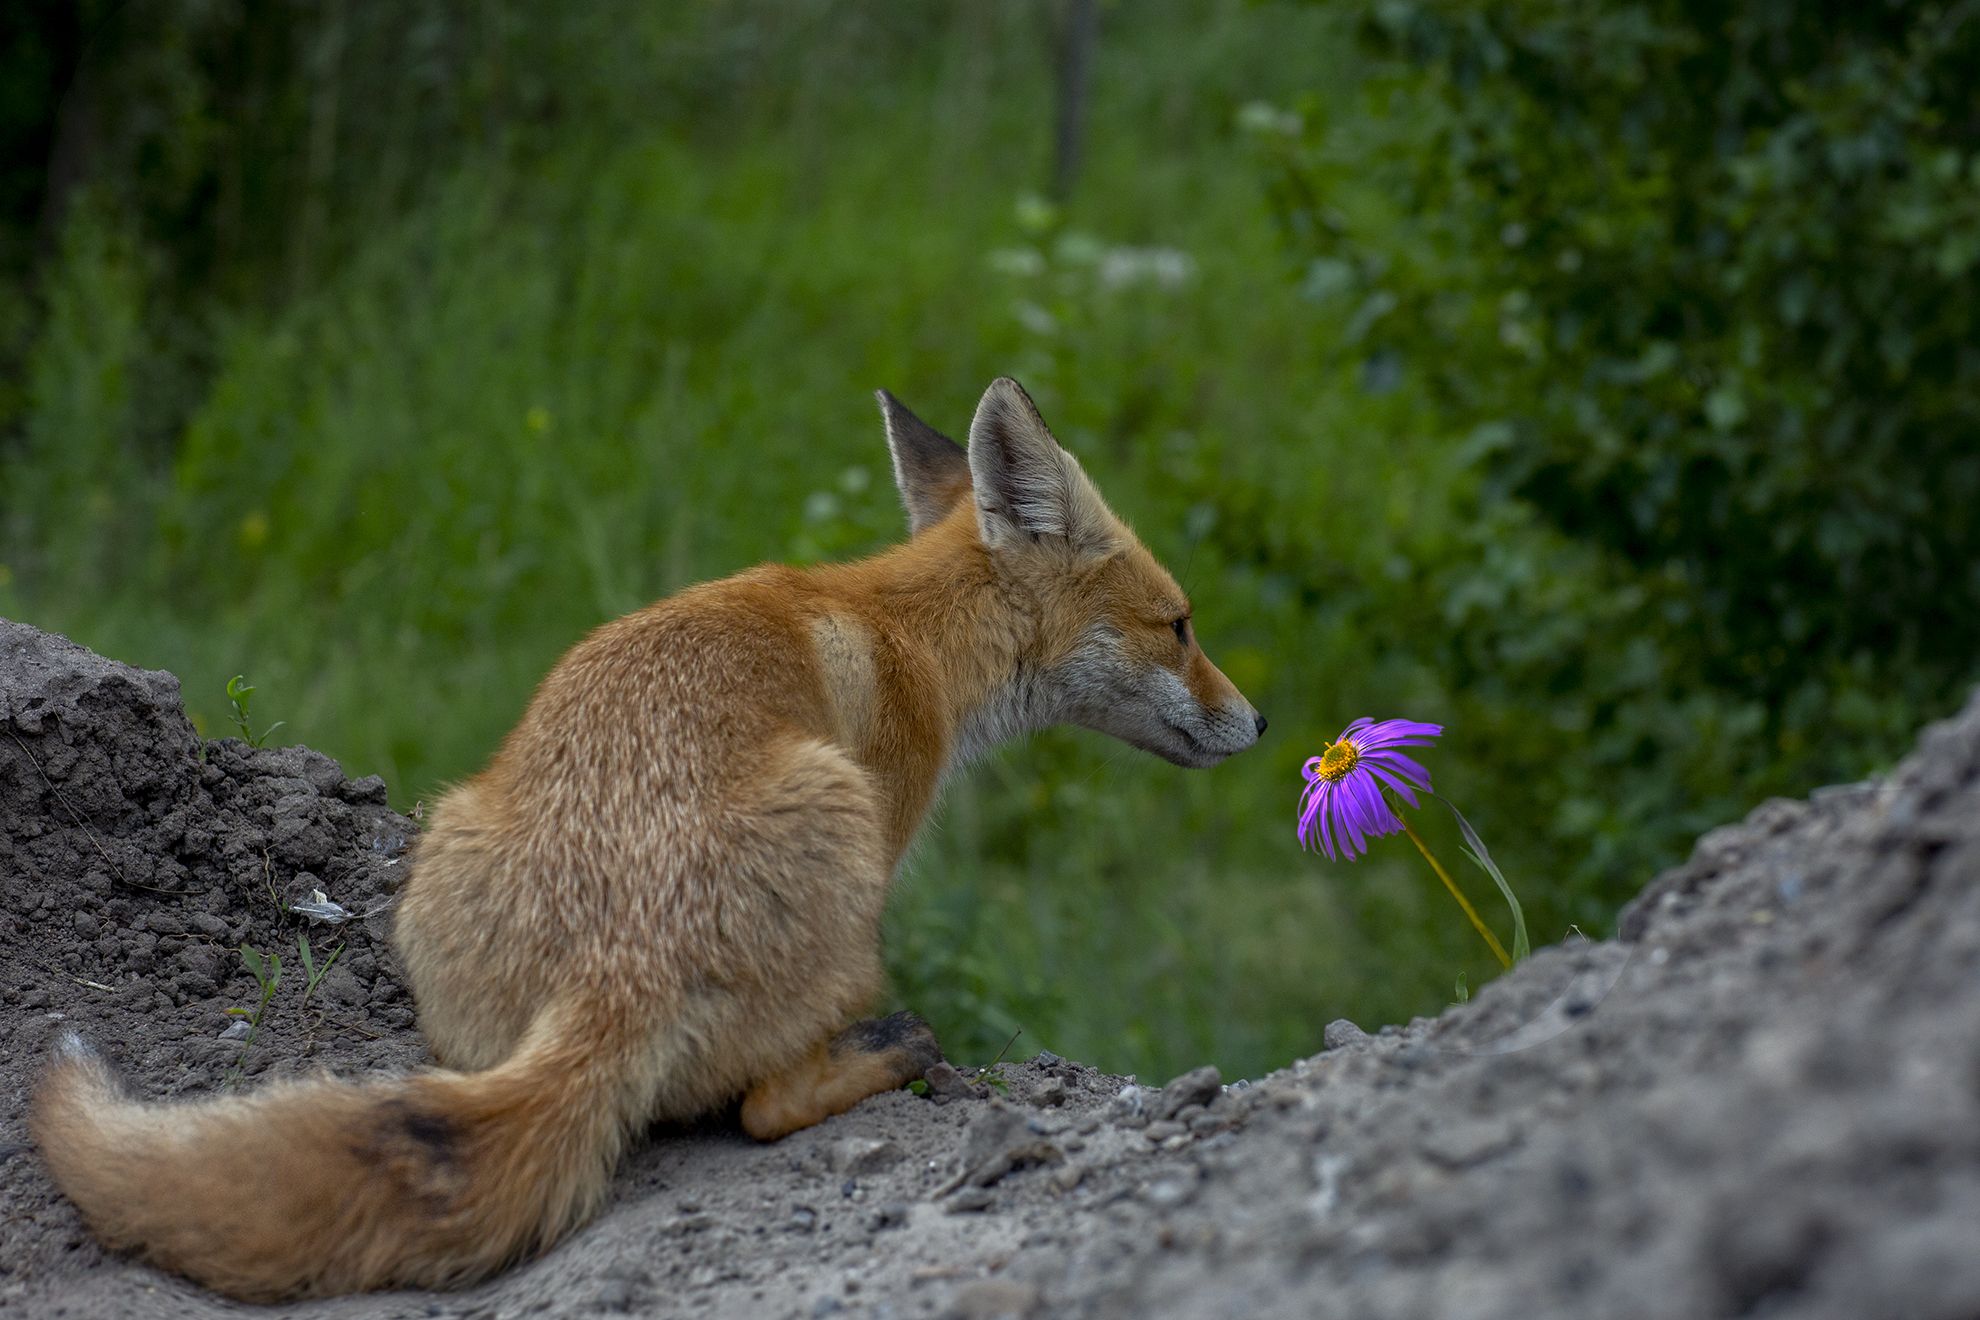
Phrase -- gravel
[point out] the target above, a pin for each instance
(1762, 1099)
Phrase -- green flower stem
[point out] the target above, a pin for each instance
(1498, 950)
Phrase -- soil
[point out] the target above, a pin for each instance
(1762, 1099)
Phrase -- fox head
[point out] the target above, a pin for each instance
(1102, 635)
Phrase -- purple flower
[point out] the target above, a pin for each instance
(1342, 806)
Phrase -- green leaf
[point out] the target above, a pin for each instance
(1475, 849)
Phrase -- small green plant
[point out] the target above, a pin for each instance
(994, 1074)
(311, 972)
(239, 693)
(267, 972)
(1463, 990)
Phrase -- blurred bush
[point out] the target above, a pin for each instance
(1444, 351)
(1698, 289)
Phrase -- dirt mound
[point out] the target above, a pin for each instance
(1763, 1100)
(135, 861)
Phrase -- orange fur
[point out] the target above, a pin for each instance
(664, 893)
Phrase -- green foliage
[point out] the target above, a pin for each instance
(239, 694)
(1474, 848)
(313, 974)
(1730, 267)
(267, 972)
(1692, 292)
(440, 334)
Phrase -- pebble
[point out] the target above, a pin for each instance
(945, 1083)
(968, 1201)
(993, 1299)
(1341, 1033)
(860, 1156)
(1170, 1191)
(999, 1140)
(1163, 1130)
(1199, 1086)
(207, 924)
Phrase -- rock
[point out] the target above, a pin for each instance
(859, 1156)
(1197, 1087)
(1129, 1108)
(1341, 1033)
(1172, 1189)
(968, 1201)
(340, 985)
(998, 1141)
(1461, 1143)
(894, 1214)
(945, 1083)
(207, 924)
(370, 789)
(993, 1299)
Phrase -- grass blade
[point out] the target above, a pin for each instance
(1475, 849)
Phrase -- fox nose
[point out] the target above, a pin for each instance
(1258, 723)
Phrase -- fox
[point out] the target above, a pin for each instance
(663, 894)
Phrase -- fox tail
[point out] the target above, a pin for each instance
(324, 1186)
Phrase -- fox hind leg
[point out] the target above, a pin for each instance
(868, 1057)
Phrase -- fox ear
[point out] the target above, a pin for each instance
(931, 470)
(1027, 487)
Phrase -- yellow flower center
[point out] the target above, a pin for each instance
(1337, 760)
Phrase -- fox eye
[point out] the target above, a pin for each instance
(1181, 627)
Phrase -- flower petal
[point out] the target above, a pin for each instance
(1402, 765)
(1398, 733)
(1376, 811)
(1311, 803)
(1325, 802)
(1403, 788)
(1356, 817)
